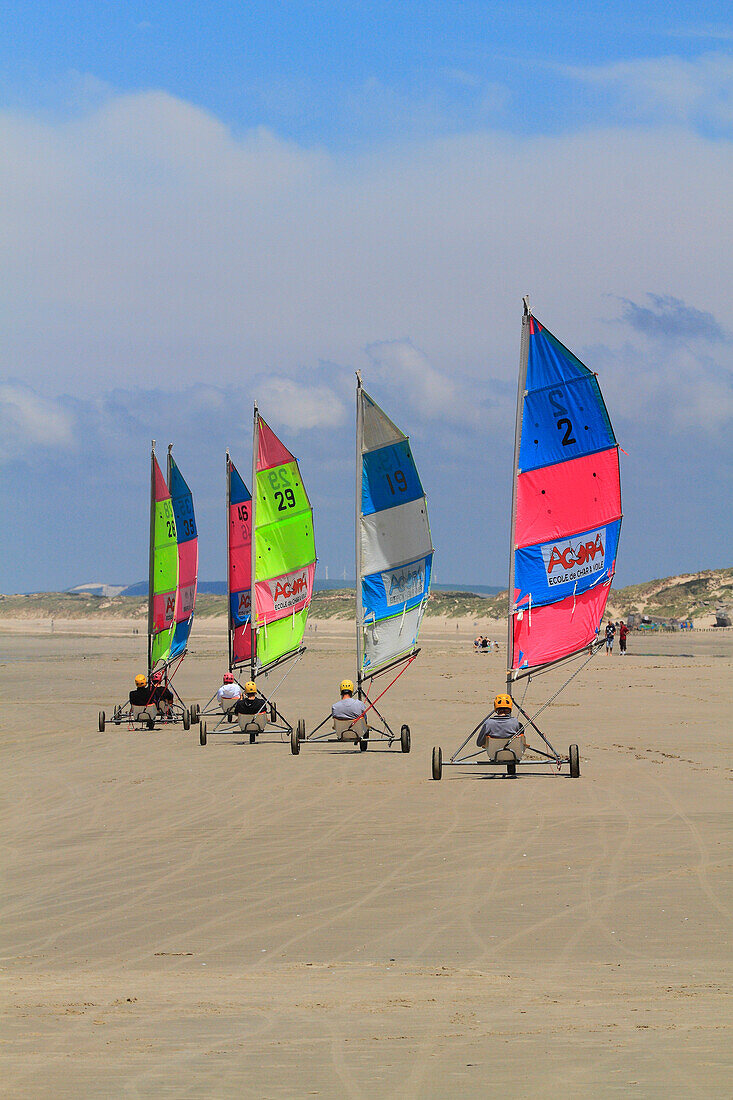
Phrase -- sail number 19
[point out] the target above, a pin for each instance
(399, 480)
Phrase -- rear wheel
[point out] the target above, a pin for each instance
(202, 733)
(405, 738)
(294, 741)
(574, 756)
(186, 718)
(195, 714)
(437, 762)
(301, 729)
(101, 721)
(511, 769)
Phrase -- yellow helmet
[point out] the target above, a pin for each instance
(250, 688)
(141, 680)
(503, 702)
(347, 685)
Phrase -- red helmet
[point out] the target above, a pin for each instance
(227, 678)
(157, 677)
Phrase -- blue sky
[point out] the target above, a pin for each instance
(200, 204)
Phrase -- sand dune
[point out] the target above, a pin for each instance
(234, 921)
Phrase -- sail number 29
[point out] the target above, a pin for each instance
(280, 480)
(561, 418)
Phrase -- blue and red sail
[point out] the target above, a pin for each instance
(568, 506)
(188, 553)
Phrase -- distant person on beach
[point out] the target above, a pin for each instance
(485, 644)
(477, 644)
(229, 689)
(161, 694)
(140, 694)
(610, 635)
(348, 706)
(623, 630)
(250, 702)
(501, 723)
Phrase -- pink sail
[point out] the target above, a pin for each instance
(240, 566)
(567, 506)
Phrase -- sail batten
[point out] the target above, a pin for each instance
(394, 545)
(566, 517)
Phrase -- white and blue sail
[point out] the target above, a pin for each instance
(394, 547)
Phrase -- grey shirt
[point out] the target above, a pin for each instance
(498, 725)
(348, 708)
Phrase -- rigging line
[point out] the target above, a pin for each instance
(371, 704)
(563, 686)
(268, 698)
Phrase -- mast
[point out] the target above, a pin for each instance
(229, 575)
(253, 548)
(523, 359)
(151, 556)
(357, 531)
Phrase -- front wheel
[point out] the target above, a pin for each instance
(195, 713)
(202, 733)
(511, 769)
(273, 713)
(364, 742)
(186, 718)
(294, 741)
(301, 729)
(574, 757)
(101, 721)
(405, 738)
(437, 762)
(230, 716)
(252, 738)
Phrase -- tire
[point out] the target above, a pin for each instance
(574, 757)
(405, 738)
(364, 742)
(230, 716)
(511, 769)
(202, 733)
(301, 729)
(195, 714)
(294, 742)
(273, 713)
(101, 721)
(186, 718)
(437, 763)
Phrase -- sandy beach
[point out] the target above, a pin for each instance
(235, 921)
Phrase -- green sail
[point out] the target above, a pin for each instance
(284, 550)
(163, 569)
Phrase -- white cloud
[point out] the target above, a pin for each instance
(29, 420)
(146, 244)
(673, 89)
(402, 367)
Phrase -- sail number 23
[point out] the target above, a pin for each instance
(561, 418)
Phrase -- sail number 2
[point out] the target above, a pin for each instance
(561, 418)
